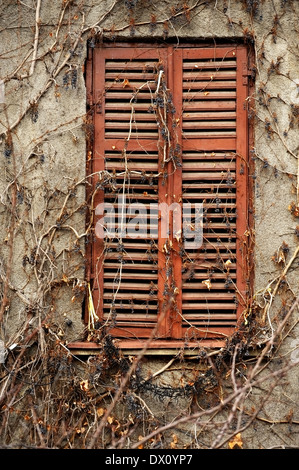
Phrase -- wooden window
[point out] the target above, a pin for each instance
(170, 129)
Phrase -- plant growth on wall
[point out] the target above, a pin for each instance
(50, 398)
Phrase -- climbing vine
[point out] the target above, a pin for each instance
(51, 397)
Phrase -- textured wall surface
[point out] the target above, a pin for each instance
(43, 133)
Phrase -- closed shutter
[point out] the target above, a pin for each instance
(147, 282)
(214, 172)
(126, 283)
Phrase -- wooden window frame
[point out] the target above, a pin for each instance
(244, 195)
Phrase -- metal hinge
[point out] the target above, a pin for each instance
(245, 73)
(98, 102)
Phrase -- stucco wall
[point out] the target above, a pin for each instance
(43, 132)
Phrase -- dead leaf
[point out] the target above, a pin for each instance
(280, 257)
(116, 426)
(207, 283)
(100, 412)
(126, 83)
(140, 439)
(80, 430)
(294, 209)
(84, 385)
(236, 442)
(174, 442)
(178, 235)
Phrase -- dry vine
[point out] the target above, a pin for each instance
(56, 400)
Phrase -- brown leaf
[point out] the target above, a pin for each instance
(100, 412)
(126, 83)
(174, 441)
(140, 439)
(207, 283)
(236, 442)
(84, 385)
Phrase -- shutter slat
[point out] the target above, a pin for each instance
(131, 64)
(214, 74)
(123, 295)
(208, 307)
(205, 296)
(127, 285)
(198, 318)
(129, 266)
(111, 106)
(140, 135)
(126, 97)
(209, 106)
(196, 84)
(119, 166)
(127, 116)
(206, 176)
(212, 64)
(209, 124)
(209, 134)
(127, 76)
(126, 275)
(208, 95)
(135, 126)
(214, 276)
(208, 115)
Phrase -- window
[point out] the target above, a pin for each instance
(168, 260)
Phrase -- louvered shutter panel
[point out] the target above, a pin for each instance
(125, 268)
(130, 274)
(214, 172)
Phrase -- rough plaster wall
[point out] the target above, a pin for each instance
(50, 154)
(52, 150)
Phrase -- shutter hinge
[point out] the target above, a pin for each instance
(98, 102)
(246, 73)
(88, 76)
(89, 100)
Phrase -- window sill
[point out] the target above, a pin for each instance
(158, 347)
